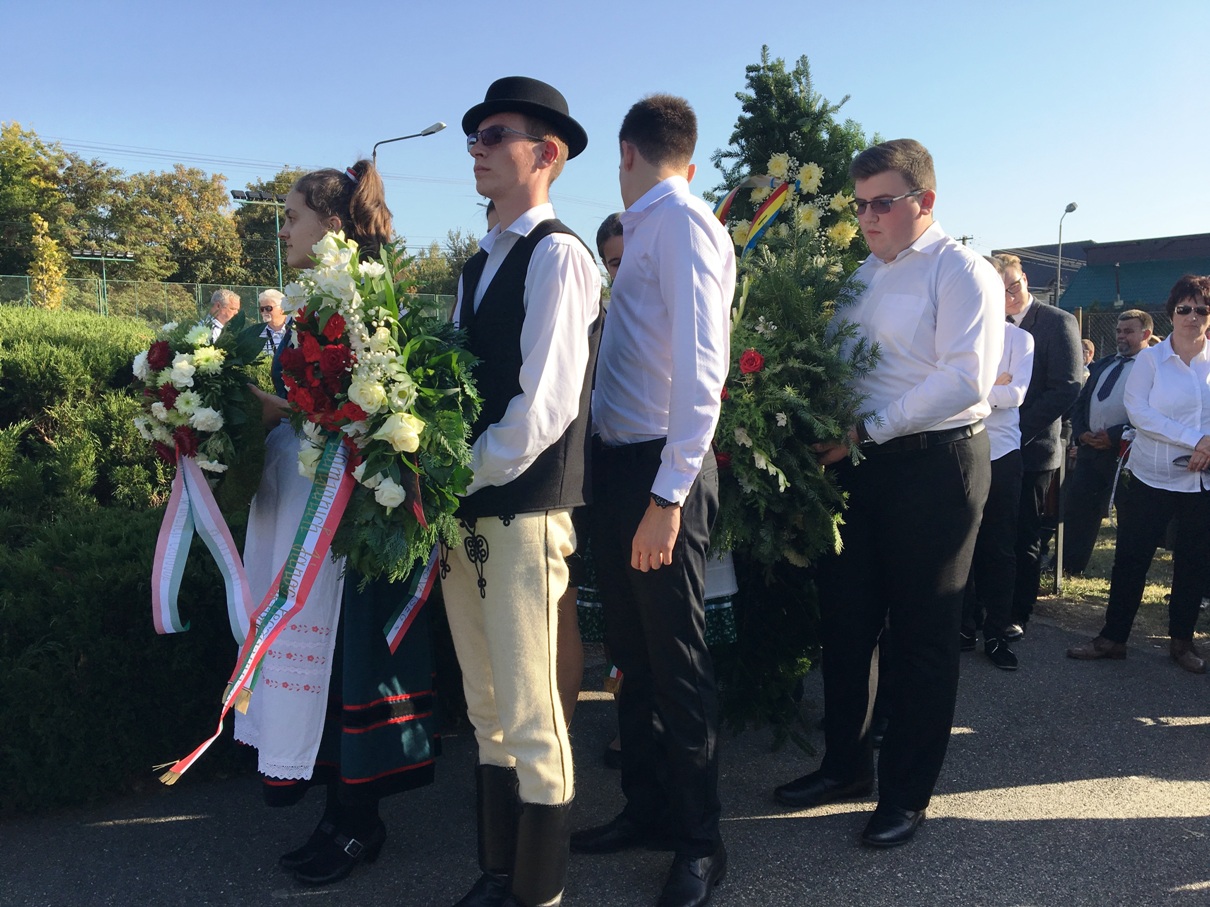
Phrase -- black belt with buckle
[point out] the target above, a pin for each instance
(922, 440)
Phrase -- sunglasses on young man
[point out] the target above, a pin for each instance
(881, 205)
(494, 135)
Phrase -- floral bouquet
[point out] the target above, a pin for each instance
(792, 364)
(196, 415)
(389, 377)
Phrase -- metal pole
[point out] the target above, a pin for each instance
(104, 291)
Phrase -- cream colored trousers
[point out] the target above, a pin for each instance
(502, 597)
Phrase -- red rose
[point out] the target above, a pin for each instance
(723, 459)
(168, 395)
(335, 328)
(292, 360)
(186, 441)
(334, 359)
(751, 361)
(353, 413)
(159, 356)
(724, 395)
(310, 348)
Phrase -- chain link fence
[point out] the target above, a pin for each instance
(150, 301)
(1101, 328)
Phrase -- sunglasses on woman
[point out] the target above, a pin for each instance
(1202, 310)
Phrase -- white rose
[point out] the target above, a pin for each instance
(373, 481)
(139, 366)
(380, 341)
(182, 370)
(402, 393)
(308, 460)
(389, 494)
(369, 395)
(401, 431)
(206, 419)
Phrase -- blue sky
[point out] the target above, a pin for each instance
(1025, 106)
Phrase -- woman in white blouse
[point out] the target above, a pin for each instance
(1168, 400)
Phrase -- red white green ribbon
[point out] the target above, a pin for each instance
(419, 586)
(191, 507)
(325, 506)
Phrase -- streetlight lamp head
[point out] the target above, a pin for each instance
(1071, 206)
(436, 127)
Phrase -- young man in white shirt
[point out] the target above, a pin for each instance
(934, 308)
(664, 358)
(529, 302)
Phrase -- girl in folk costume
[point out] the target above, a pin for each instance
(334, 707)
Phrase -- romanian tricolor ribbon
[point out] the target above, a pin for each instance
(765, 215)
(325, 506)
(419, 586)
(723, 208)
(191, 507)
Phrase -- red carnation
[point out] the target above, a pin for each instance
(751, 361)
(310, 348)
(723, 459)
(335, 328)
(159, 356)
(334, 359)
(164, 452)
(168, 395)
(301, 398)
(725, 395)
(186, 441)
(352, 412)
(292, 360)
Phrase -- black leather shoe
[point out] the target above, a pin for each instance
(1013, 632)
(337, 856)
(1000, 654)
(815, 790)
(891, 826)
(621, 834)
(295, 858)
(966, 640)
(489, 891)
(691, 880)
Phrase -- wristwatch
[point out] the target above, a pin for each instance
(661, 503)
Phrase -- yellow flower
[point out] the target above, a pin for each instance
(809, 176)
(841, 202)
(759, 195)
(739, 233)
(806, 219)
(841, 233)
(779, 165)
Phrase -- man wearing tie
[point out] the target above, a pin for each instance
(1058, 367)
(1098, 420)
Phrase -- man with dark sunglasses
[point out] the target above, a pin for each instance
(530, 304)
(934, 308)
(1057, 376)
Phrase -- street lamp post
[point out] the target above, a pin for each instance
(1071, 206)
(436, 127)
(102, 257)
(256, 197)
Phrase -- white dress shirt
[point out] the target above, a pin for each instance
(666, 347)
(1169, 406)
(562, 299)
(1004, 422)
(935, 312)
(1112, 410)
(1020, 316)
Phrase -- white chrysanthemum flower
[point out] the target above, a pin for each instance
(759, 195)
(842, 233)
(188, 401)
(809, 177)
(841, 202)
(739, 232)
(779, 166)
(199, 335)
(806, 219)
(208, 360)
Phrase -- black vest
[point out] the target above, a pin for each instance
(560, 476)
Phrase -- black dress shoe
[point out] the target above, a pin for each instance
(621, 834)
(891, 826)
(295, 858)
(815, 790)
(1013, 632)
(691, 880)
(1000, 654)
(966, 640)
(337, 856)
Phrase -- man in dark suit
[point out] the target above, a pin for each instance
(1058, 370)
(1098, 420)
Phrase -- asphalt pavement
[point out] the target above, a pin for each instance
(1066, 783)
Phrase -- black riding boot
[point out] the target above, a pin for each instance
(496, 801)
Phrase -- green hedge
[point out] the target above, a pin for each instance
(92, 696)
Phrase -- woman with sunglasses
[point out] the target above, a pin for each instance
(334, 707)
(1167, 397)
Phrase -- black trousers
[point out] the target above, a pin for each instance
(1143, 516)
(989, 591)
(909, 534)
(1085, 503)
(655, 627)
(1034, 486)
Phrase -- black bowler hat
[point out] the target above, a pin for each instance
(519, 94)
